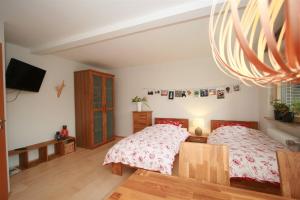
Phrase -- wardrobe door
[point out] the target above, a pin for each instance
(109, 91)
(98, 127)
(97, 136)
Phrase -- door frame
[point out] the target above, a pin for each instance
(3, 150)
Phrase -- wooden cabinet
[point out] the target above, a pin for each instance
(141, 120)
(94, 108)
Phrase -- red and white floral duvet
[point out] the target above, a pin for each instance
(153, 148)
(252, 153)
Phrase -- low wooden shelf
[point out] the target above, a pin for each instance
(59, 150)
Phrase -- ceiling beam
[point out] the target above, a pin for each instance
(160, 19)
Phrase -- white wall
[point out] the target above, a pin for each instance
(1, 32)
(35, 117)
(197, 73)
(265, 108)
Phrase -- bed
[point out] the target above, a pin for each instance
(252, 153)
(154, 148)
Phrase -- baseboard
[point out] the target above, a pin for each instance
(119, 137)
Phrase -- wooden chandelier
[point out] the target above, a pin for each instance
(246, 45)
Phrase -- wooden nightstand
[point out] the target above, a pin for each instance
(141, 120)
(198, 139)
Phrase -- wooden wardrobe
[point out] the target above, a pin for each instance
(94, 108)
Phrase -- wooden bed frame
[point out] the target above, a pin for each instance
(250, 184)
(184, 122)
(218, 123)
(117, 168)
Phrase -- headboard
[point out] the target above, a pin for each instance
(214, 124)
(183, 122)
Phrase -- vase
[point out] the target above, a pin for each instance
(288, 117)
(297, 118)
(139, 106)
(277, 115)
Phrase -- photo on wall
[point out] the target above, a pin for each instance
(178, 93)
(212, 92)
(164, 92)
(196, 93)
(171, 95)
(183, 94)
(227, 89)
(203, 92)
(150, 92)
(236, 88)
(220, 94)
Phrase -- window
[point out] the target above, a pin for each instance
(290, 93)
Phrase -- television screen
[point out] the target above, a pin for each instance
(23, 76)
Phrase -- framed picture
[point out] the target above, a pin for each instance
(236, 88)
(183, 94)
(203, 92)
(178, 93)
(164, 92)
(196, 93)
(220, 94)
(227, 89)
(212, 92)
(171, 95)
(150, 92)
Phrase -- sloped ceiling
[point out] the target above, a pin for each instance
(182, 41)
(109, 33)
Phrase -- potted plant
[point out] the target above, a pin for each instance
(296, 110)
(288, 116)
(279, 109)
(139, 101)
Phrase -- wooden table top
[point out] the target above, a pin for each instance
(146, 185)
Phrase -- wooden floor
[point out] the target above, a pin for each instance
(76, 176)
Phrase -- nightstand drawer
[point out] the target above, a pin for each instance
(142, 116)
(137, 129)
(141, 120)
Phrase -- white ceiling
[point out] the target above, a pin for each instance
(110, 33)
(177, 42)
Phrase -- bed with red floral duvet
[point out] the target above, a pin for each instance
(154, 148)
(252, 155)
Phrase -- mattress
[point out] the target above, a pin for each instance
(154, 148)
(252, 153)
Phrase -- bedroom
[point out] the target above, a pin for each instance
(148, 46)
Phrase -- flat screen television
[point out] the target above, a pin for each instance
(23, 76)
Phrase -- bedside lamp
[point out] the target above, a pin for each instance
(198, 123)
